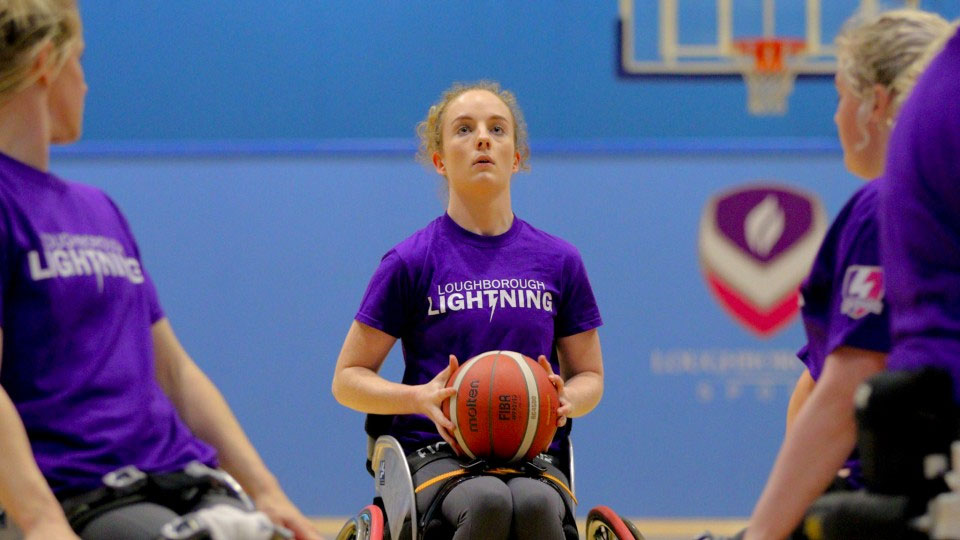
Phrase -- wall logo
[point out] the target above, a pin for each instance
(862, 291)
(756, 246)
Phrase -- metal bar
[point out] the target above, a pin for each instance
(769, 19)
(668, 31)
(814, 39)
(725, 26)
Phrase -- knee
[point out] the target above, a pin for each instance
(535, 498)
(485, 500)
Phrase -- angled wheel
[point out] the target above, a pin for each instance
(604, 524)
(367, 525)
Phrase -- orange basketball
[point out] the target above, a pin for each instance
(505, 408)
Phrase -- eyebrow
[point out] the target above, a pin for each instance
(468, 117)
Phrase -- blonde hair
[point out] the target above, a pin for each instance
(904, 84)
(884, 50)
(26, 27)
(430, 130)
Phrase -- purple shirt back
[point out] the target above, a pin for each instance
(920, 221)
(445, 290)
(843, 297)
(77, 307)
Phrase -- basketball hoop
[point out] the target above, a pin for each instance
(766, 67)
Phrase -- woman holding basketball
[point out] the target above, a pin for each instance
(844, 311)
(441, 291)
(99, 403)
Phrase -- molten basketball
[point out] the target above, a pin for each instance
(505, 408)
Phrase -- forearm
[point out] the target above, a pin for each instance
(362, 389)
(584, 391)
(24, 492)
(801, 392)
(208, 416)
(814, 449)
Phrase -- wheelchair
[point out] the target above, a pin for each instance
(393, 515)
(908, 427)
(130, 484)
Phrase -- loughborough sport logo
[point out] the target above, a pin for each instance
(757, 243)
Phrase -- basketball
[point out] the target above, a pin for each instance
(505, 408)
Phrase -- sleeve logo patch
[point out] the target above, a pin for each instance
(863, 289)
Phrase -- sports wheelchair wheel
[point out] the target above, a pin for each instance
(367, 525)
(604, 524)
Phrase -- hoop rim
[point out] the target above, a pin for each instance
(768, 52)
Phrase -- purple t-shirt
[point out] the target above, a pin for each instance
(77, 307)
(843, 297)
(445, 290)
(920, 221)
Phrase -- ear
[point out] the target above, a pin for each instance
(516, 162)
(882, 104)
(438, 164)
(41, 68)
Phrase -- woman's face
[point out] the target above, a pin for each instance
(66, 99)
(478, 143)
(865, 161)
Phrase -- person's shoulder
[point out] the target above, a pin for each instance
(866, 200)
(547, 240)
(415, 246)
(88, 191)
(858, 224)
(94, 196)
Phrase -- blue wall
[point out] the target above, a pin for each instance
(261, 263)
(357, 69)
(262, 152)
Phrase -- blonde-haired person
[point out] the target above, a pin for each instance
(844, 311)
(92, 376)
(475, 138)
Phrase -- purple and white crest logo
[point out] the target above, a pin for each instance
(756, 245)
(862, 291)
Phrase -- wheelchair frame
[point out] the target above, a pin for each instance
(394, 493)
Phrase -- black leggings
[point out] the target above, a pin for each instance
(495, 508)
(143, 521)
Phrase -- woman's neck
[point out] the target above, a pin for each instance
(25, 129)
(488, 217)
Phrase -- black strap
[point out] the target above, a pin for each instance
(178, 491)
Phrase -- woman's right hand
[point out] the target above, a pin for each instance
(430, 397)
(46, 530)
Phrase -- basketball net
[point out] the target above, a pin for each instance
(768, 73)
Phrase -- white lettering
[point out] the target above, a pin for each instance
(106, 264)
(134, 272)
(533, 299)
(37, 272)
(68, 255)
(456, 302)
(62, 261)
(79, 262)
(547, 301)
(474, 300)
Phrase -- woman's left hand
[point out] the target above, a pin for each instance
(565, 408)
(281, 511)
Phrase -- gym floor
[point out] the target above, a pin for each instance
(652, 529)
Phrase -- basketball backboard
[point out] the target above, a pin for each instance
(697, 37)
(765, 41)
